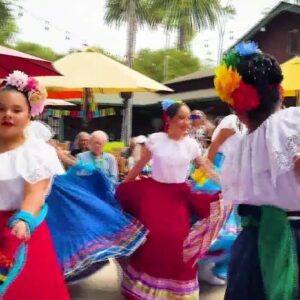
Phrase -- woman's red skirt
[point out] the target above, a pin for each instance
(40, 277)
(158, 269)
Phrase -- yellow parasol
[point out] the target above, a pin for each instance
(90, 71)
(99, 72)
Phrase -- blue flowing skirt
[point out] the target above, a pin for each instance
(86, 223)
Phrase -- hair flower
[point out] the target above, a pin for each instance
(247, 48)
(245, 97)
(17, 79)
(166, 103)
(36, 95)
(227, 80)
(32, 84)
(231, 59)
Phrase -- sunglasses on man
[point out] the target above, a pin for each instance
(195, 117)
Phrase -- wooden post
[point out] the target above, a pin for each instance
(127, 117)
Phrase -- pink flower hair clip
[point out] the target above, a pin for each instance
(35, 93)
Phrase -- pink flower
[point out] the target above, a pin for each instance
(32, 84)
(17, 79)
(37, 108)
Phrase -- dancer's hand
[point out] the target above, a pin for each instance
(20, 231)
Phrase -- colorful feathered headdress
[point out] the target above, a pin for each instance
(229, 84)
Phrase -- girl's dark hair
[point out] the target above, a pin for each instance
(10, 88)
(173, 109)
(263, 72)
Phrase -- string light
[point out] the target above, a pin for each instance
(67, 37)
(20, 11)
(47, 25)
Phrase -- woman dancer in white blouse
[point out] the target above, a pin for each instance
(160, 269)
(260, 176)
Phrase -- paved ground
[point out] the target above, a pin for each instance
(104, 286)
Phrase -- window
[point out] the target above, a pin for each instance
(293, 42)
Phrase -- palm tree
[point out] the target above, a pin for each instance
(228, 11)
(133, 13)
(187, 16)
(8, 26)
(5, 14)
(130, 12)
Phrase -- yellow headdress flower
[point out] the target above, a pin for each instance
(226, 82)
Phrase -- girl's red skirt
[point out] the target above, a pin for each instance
(40, 277)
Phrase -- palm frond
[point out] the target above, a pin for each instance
(197, 14)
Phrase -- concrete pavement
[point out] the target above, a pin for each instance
(104, 285)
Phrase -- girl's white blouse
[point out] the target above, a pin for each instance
(31, 162)
(170, 158)
(260, 168)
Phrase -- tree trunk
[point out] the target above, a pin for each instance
(185, 36)
(87, 93)
(181, 43)
(131, 34)
(127, 117)
(131, 39)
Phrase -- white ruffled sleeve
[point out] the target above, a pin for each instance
(154, 141)
(39, 130)
(228, 122)
(37, 160)
(283, 140)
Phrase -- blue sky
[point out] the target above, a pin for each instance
(84, 22)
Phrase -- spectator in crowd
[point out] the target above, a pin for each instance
(127, 152)
(81, 143)
(137, 152)
(201, 128)
(218, 120)
(97, 157)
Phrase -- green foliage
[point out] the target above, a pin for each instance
(163, 65)
(8, 26)
(105, 52)
(7, 31)
(186, 16)
(196, 14)
(37, 50)
(5, 14)
(117, 11)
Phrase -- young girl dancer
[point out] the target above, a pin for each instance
(29, 268)
(159, 269)
(261, 175)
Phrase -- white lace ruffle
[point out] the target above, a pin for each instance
(33, 161)
(283, 137)
(261, 166)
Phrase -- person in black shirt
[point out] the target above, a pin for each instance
(81, 143)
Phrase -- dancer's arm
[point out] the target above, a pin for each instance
(297, 167)
(137, 169)
(223, 135)
(34, 196)
(208, 168)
